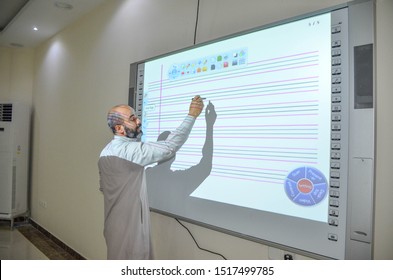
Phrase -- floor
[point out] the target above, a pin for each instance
(26, 242)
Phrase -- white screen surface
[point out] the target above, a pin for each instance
(271, 136)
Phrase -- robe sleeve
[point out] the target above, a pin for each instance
(150, 152)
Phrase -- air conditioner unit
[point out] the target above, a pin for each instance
(14, 160)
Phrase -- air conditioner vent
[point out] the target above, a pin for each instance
(5, 112)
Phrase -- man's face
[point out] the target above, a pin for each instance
(132, 124)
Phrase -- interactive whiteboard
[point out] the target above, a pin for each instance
(267, 158)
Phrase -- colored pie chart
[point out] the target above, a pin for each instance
(306, 186)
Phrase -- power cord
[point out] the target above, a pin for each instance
(206, 250)
(196, 23)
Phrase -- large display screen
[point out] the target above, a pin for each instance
(262, 145)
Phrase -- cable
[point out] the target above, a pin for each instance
(196, 23)
(197, 242)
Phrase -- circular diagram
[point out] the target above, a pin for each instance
(306, 186)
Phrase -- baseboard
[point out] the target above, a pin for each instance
(56, 240)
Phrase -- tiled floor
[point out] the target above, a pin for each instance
(25, 242)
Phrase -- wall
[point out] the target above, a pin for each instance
(383, 235)
(81, 72)
(79, 75)
(16, 75)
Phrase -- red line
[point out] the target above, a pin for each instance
(281, 57)
(244, 75)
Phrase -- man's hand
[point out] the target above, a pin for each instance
(196, 106)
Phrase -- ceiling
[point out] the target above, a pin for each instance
(18, 18)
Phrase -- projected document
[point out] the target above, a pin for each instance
(267, 121)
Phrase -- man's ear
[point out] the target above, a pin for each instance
(119, 129)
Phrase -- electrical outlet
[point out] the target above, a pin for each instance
(43, 204)
(275, 254)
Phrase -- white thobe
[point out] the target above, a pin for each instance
(123, 183)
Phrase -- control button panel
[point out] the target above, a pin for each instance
(139, 90)
(337, 133)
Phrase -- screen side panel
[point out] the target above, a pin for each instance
(362, 135)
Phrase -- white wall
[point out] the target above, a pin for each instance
(84, 70)
(79, 75)
(16, 75)
(383, 235)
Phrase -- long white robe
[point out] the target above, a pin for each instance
(123, 183)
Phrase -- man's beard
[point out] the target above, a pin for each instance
(130, 133)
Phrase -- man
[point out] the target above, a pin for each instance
(123, 183)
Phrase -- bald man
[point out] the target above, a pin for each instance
(122, 179)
